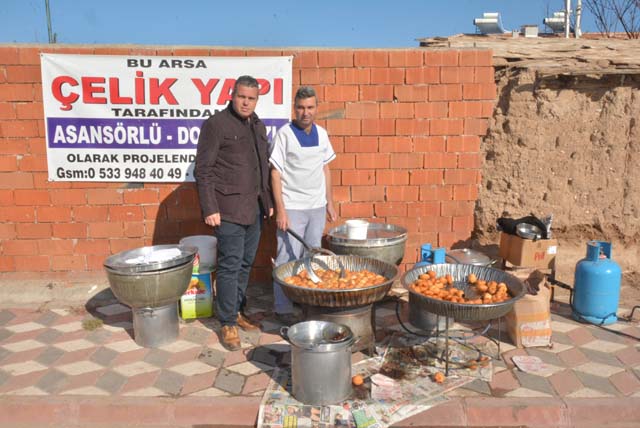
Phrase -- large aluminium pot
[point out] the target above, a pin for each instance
(320, 361)
(384, 242)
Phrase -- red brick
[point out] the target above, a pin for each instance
(17, 92)
(402, 193)
(476, 126)
(70, 230)
(483, 75)
(341, 93)
(423, 75)
(465, 192)
(371, 58)
(92, 246)
(33, 263)
(53, 214)
(431, 222)
(90, 214)
(469, 161)
(406, 160)
(440, 160)
(356, 209)
(361, 145)
(331, 111)
(134, 229)
(140, 196)
(395, 144)
(126, 213)
(20, 248)
(392, 177)
(105, 230)
(7, 264)
(457, 75)
(118, 245)
(445, 92)
(17, 214)
(446, 127)
(23, 73)
(341, 193)
(334, 59)
(431, 109)
(58, 247)
(362, 110)
(33, 163)
(316, 76)
(411, 93)
(18, 128)
(37, 146)
(412, 127)
(406, 58)
(31, 197)
(367, 193)
(344, 161)
(465, 109)
(376, 92)
(456, 208)
(395, 110)
(343, 127)
(68, 196)
(426, 176)
(429, 144)
(476, 58)
(441, 57)
(464, 176)
(7, 111)
(412, 224)
(8, 163)
(464, 143)
(479, 91)
(390, 209)
(353, 76)
(9, 55)
(372, 161)
(359, 177)
(304, 59)
(432, 192)
(387, 76)
(378, 127)
(104, 197)
(6, 197)
(463, 224)
(7, 231)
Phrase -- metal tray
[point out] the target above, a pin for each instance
(123, 262)
(336, 298)
(461, 311)
(378, 235)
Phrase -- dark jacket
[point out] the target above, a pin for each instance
(232, 170)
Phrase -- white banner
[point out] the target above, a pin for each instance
(137, 119)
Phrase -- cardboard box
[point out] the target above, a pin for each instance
(529, 322)
(529, 253)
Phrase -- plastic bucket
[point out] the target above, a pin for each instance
(357, 229)
(207, 249)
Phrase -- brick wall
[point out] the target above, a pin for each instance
(406, 125)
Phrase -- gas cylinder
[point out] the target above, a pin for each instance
(596, 289)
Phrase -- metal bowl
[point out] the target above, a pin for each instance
(528, 231)
(460, 272)
(142, 259)
(336, 298)
(384, 242)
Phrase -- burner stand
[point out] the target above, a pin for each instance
(360, 319)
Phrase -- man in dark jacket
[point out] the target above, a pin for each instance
(232, 175)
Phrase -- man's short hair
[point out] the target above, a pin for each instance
(248, 81)
(305, 92)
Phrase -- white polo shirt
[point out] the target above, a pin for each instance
(300, 159)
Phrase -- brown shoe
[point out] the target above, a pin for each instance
(230, 337)
(246, 324)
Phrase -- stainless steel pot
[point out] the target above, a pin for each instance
(320, 361)
(384, 242)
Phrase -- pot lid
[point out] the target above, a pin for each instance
(468, 256)
(152, 258)
(319, 335)
(378, 234)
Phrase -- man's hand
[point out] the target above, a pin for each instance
(270, 212)
(331, 213)
(213, 219)
(282, 221)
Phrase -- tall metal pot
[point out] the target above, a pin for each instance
(320, 361)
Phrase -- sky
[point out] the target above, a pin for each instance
(250, 23)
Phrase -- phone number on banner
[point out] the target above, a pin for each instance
(125, 173)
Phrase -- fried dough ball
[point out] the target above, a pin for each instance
(330, 279)
(443, 288)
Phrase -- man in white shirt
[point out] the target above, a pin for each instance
(301, 185)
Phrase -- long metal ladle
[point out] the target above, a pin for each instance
(313, 251)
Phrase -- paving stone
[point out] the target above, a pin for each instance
(536, 383)
(252, 337)
(546, 356)
(4, 333)
(47, 318)
(157, 357)
(6, 316)
(229, 381)
(503, 382)
(597, 383)
(573, 357)
(48, 336)
(257, 382)
(212, 357)
(103, 356)
(478, 386)
(601, 357)
(629, 356)
(98, 336)
(196, 335)
(265, 355)
(4, 376)
(4, 353)
(580, 336)
(565, 382)
(52, 381)
(559, 337)
(609, 336)
(49, 356)
(169, 382)
(626, 382)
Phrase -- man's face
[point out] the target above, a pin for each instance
(305, 110)
(244, 101)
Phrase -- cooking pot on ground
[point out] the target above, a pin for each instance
(320, 361)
